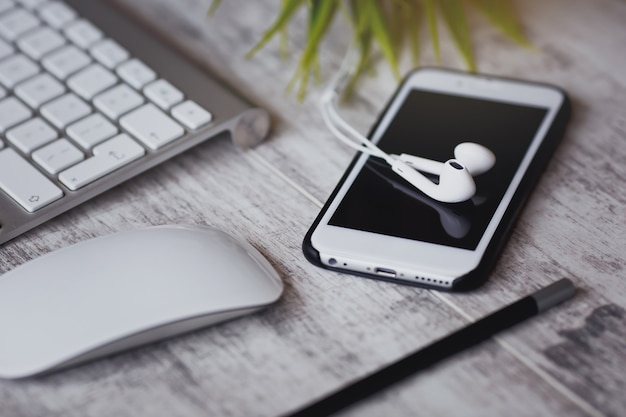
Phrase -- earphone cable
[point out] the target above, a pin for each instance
(335, 122)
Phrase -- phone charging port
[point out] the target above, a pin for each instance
(389, 273)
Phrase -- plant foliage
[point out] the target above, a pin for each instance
(389, 25)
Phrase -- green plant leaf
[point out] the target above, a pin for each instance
(394, 12)
(431, 19)
(412, 22)
(453, 15)
(358, 18)
(288, 8)
(404, 21)
(284, 36)
(389, 24)
(382, 33)
(501, 15)
(321, 15)
(214, 5)
(364, 42)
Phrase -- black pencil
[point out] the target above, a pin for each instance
(462, 339)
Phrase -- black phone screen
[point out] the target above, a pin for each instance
(430, 125)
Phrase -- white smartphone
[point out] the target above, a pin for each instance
(375, 224)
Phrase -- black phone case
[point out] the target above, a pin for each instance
(479, 275)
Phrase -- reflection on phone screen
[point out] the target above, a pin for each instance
(431, 125)
(454, 218)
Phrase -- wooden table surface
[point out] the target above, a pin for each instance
(329, 329)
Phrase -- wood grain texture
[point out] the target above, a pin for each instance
(329, 329)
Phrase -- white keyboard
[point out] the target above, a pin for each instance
(88, 100)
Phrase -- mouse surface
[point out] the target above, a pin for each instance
(126, 289)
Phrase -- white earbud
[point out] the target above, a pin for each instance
(455, 176)
(476, 158)
(455, 182)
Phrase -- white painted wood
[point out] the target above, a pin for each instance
(329, 329)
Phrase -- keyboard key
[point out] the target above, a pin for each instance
(15, 23)
(57, 156)
(65, 110)
(151, 126)
(24, 183)
(31, 135)
(5, 49)
(117, 101)
(191, 115)
(136, 73)
(39, 89)
(12, 112)
(65, 61)
(83, 33)
(15, 69)
(91, 130)
(109, 53)
(39, 42)
(108, 156)
(57, 14)
(122, 148)
(91, 80)
(163, 94)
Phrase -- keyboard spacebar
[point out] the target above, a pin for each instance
(108, 156)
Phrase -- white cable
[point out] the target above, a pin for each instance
(374, 150)
(335, 123)
(337, 133)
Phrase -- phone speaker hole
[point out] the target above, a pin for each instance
(434, 281)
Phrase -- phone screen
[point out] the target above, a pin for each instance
(430, 125)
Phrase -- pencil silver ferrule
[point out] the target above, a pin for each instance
(554, 294)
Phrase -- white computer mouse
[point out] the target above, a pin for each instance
(115, 292)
